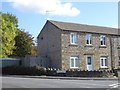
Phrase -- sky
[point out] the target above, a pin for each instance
(32, 14)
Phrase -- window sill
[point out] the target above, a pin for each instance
(104, 46)
(74, 67)
(105, 67)
(73, 45)
(88, 45)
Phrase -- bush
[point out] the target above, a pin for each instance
(37, 70)
(17, 70)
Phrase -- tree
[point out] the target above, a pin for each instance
(8, 34)
(34, 50)
(14, 42)
(24, 44)
(10, 18)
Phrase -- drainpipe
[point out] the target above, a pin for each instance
(111, 53)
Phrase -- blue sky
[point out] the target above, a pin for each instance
(33, 16)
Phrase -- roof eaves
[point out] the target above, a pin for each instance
(55, 25)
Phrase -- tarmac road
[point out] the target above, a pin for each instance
(19, 82)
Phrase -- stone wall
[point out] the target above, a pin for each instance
(80, 73)
(82, 50)
(54, 44)
(49, 45)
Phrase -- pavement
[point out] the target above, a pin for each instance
(66, 78)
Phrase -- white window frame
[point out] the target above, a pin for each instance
(89, 38)
(103, 39)
(103, 62)
(75, 58)
(73, 38)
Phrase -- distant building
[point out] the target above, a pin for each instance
(79, 46)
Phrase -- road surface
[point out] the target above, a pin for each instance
(17, 82)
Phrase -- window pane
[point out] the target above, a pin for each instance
(102, 62)
(104, 43)
(90, 41)
(76, 62)
(106, 62)
(101, 42)
(72, 62)
(88, 38)
(87, 42)
(102, 39)
(89, 60)
(73, 38)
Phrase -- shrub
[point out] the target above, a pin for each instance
(17, 70)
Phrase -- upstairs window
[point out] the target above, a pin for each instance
(88, 39)
(73, 38)
(102, 40)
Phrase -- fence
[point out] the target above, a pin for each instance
(57, 72)
(30, 61)
(81, 73)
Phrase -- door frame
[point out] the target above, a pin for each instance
(87, 66)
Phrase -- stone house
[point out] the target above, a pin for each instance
(79, 46)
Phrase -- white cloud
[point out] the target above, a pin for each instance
(90, 0)
(51, 7)
(115, 26)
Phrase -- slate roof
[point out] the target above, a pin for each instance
(84, 28)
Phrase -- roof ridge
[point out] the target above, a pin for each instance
(91, 25)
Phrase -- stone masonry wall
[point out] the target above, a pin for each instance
(49, 45)
(81, 50)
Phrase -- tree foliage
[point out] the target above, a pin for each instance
(24, 44)
(8, 34)
(14, 42)
(34, 50)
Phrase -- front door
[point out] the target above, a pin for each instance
(89, 63)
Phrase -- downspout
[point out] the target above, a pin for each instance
(111, 53)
